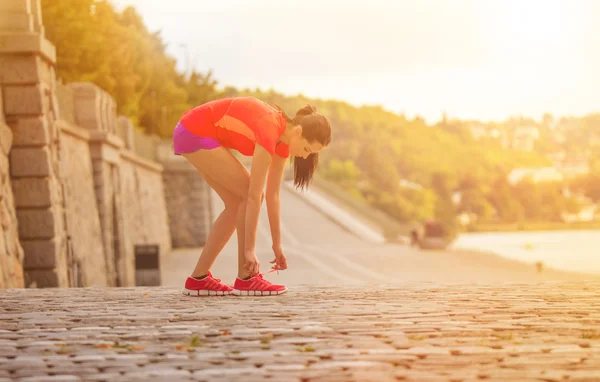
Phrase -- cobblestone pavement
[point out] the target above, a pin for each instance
(416, 332)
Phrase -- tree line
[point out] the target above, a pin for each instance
(405, 167)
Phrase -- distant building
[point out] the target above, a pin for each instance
(456, 198)
(557, 157)
(559, 137)
(466, 218)
(537, 175)
(496, 133)
(588, 213)
(524, 138)
(407, 184)
(479, 131)
(572, 168)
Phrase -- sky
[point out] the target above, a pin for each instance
(470, 59)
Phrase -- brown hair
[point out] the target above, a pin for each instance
(315, 127)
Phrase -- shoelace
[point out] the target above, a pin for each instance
(211, 276)
(262, 280)
(217, 280)
(219, 283)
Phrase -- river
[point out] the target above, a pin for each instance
(566, 250)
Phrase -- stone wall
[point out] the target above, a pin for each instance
(80, 188)
(145, 219)
(188, 199)
(89, 263)
(11, 252)
(128, 188)
(28, 85)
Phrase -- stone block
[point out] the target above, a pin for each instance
(53, 128)
(24, 70)
(6, 219)
(18, 69)
(45, 278)
(22, 6)
(106, 152)
(26, 161)
(33, 192)
(2, 119)
(6, 139)
(86, 97)
(147, 277)
(25, 100)
(36, 12)
(15, 21)
(31, 131)
(3, 168)
(164, 151)
(38, 223)
(109, 113)
(94, 108)
(126, 133)
(26, 42)
(41, 254)
(11, 273)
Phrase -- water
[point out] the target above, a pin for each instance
(566, 250)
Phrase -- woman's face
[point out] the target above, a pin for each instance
(300, 146)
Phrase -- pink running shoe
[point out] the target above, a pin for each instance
(257, 286)
(208, 286)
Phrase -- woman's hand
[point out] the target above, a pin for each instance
(252, 265)
(280, 261)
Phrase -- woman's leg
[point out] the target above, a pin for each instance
(230, 179)
(241, 238)
(221, 229)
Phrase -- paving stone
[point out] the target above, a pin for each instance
(56, 378)
(417, 332)
(27, 373)
(103, 377)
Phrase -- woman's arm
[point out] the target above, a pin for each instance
(272, 196)
(258, 174)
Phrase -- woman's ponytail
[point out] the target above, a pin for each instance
(315, 127)
(304, 170)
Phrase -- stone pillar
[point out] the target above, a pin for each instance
(188, 199)
(126, 128)
(95, 110)
(27, 80)
(11, 251)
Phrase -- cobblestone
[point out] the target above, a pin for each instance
(497, 332)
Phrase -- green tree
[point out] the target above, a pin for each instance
(116, 52)
(346, 172)
(589, 185)
(372, 148)
(381, 172)
(445, 210)
(507, 206)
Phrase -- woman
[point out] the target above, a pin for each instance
(252, 127)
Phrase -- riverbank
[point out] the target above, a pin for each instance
(533, 226)
(392, 228)
(575, 250)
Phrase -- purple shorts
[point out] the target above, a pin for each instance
(185, 141)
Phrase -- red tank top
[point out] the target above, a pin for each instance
(239, 123)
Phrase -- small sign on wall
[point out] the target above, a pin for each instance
(147, 265)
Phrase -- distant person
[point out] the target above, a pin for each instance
(203, 135)
(414, 238)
